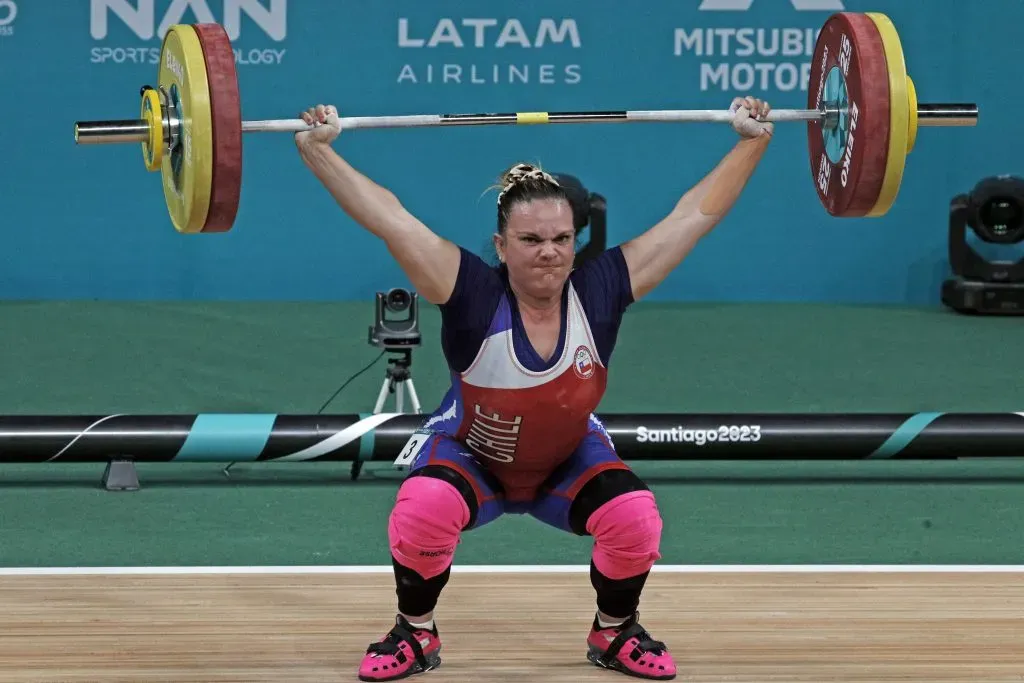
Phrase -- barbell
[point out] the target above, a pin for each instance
(862, 118)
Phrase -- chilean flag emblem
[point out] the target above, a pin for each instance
(583, 363)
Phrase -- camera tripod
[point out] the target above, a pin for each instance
(398, 379)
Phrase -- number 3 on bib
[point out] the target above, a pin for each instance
(411, 449)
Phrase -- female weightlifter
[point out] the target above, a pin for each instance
(528, 343)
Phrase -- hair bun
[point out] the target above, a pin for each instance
(523, 173)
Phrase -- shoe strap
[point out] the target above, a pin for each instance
(390, 645)
(645, 643)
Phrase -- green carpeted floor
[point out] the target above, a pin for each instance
(88, 357)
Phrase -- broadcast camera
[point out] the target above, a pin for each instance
(395, 334)
(994, 210)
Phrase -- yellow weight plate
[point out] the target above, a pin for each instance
(187, 168)
(912, 130)
(152, 114)
(899, 113)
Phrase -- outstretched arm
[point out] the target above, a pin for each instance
(430, 261)
(654, 254)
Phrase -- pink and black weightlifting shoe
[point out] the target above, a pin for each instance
(403, 652)
(628, 648)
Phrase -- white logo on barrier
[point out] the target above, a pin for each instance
(771, 58)
(744, 5)
(700, 437)
(500, 35)
(8, 13)
(142, 19)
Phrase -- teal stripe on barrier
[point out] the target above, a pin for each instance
(215, 437)
(366, 441)
(903, 435)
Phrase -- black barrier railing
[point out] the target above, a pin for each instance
(123, 440)
(364, 438)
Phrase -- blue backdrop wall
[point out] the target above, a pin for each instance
(91, 223)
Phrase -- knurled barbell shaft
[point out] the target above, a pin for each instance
(526, 118)
(108, 132)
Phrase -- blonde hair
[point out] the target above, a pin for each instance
(525, 175)
(524, 182)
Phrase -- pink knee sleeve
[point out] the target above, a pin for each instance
(627, 532)
(425, 524)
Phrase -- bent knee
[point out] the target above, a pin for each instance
(425, 524)
(627, 533)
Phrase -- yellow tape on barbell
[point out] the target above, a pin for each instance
(531, 117)
(152, 114)
(188, 169)
(899, 114)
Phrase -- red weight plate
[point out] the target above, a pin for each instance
(848, 168)
(225, 103)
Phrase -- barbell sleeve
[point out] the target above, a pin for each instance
(111, 132)
(941, 115)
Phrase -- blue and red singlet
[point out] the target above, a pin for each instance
(510, 416)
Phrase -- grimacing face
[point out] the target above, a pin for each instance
(539, 246)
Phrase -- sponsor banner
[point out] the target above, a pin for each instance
(88, 59)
